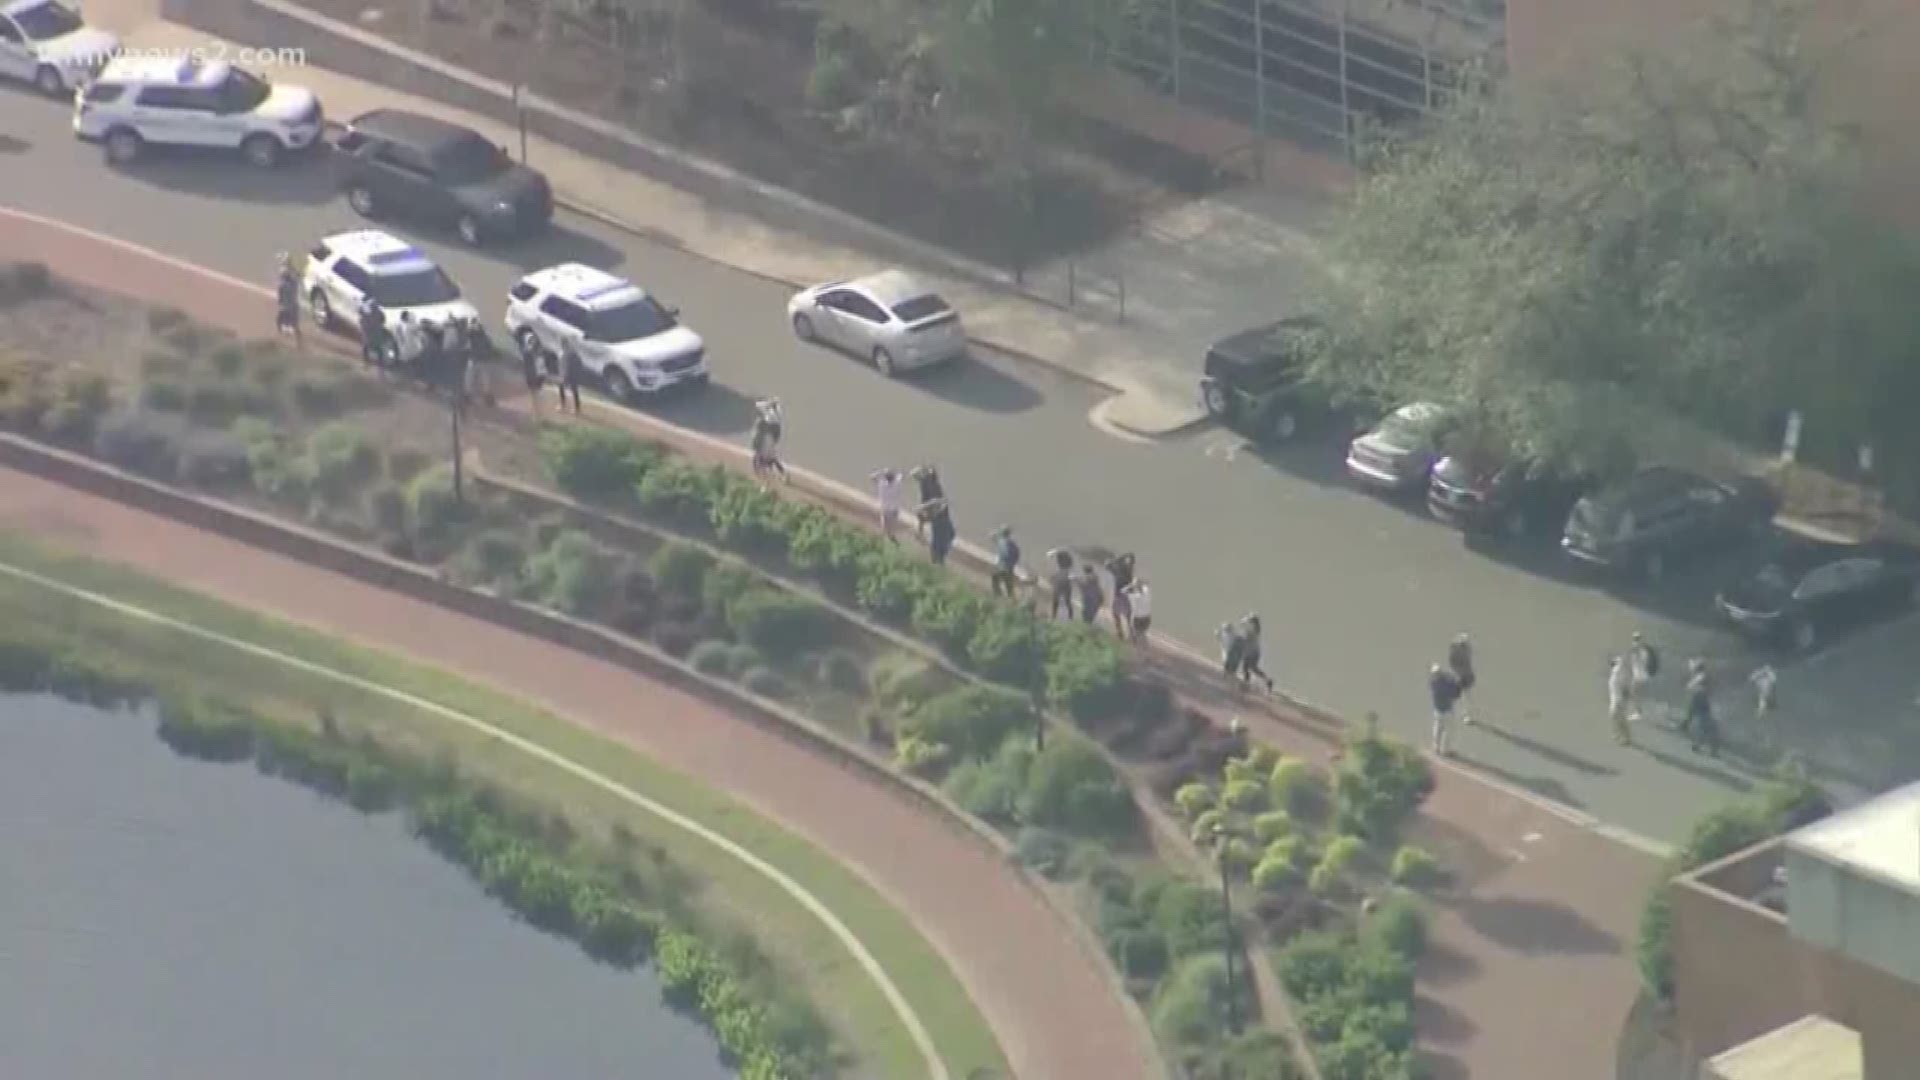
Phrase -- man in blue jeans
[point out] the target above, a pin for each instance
(1445, 690)
(1006, 562)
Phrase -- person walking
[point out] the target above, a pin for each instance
(1060, 584)
(1444, 689)
(373, 333)
(1092, 597)
(1139, 611)
(1620, 698)
(769, 423)
(1766, 683)
(1703, 732)
(572, 374)
(886, 490)
(476, 379)
(287, 301)
(931, 491)
(1644, 661)
(1460, 663)
(940, 529)
(1250, 653)
(430, 361)
(1233, 646)
(1121, 569)
(534, 372)
(1006, 562)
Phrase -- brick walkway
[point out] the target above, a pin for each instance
(1530, 970)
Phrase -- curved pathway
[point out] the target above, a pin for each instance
(1048, 1000)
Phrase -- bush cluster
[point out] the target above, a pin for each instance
(1355, 992)
(1378, 783)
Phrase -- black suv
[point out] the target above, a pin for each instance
(401, 163)
(1254, 383)
(1662, 513)
(1489, 495)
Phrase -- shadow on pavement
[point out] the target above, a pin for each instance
(302, 180)
(1441, 1066)
(1546, 750)
(1441, 965)
(1685, 596)
(1536, 927)
(10, 144)
(1439, 1022)
(716, 410)
(975, 384)
(1544, 786)
(1699, 766)
(559, 244)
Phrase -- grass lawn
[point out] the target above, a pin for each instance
(169, 659)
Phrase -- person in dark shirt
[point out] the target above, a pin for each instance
(1060, 584)
(373, 333)
(931, 490)
(287, 301)
(1121, 568)
(1006, 562)
(1445, 692)
(1703, 731)
(940, 529)
(572, 372)
(1092, 597)
(1250, 668)
(1460, 663)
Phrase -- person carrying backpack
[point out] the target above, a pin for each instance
(1444, 689)
(1006, 562)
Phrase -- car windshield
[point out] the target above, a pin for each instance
(243, 92)
(1408, 428)
(630, 322)
(415, 288)
(920, 307)
(44, 22)
(468, 159)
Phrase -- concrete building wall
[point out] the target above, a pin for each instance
(1872, 46)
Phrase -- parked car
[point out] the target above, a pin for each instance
(1801, 590)
(1486, 494)
(420, 167)
(633, 343)
(347, 267)
(48, 44)
(1400, 451)
(141, 101)
(1254, 381)
(1660, 514)
(890, 318)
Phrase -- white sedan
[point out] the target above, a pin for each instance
(889, 318)
(47, 44)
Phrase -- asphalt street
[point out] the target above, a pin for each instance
(1358, 595)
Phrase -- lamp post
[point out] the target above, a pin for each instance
(1220, 840)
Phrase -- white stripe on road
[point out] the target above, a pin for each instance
(935, 1067)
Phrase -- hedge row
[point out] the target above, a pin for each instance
(1081, 669)
(517, 857)
(1355, 992)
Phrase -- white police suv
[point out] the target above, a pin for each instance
(47, 44)
(625, 336)
(346, 268)
(137, 101)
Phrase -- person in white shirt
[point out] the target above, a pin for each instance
(1140, 604)
(886, 488)
(1620, 680)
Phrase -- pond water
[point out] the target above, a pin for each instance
(165, 918)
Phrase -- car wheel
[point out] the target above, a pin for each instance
(469, 227)
(883, 360)
(620, 388)
(1282, 425)
(123, 146)
(48, 80)
(261, 151)
(322, 309)
(360, 197)
(1218, 402)
(803, 326)
(1805, 635)
(1653, 566)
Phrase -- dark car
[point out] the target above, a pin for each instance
(1254, 380)
(1801, 590)
(1399, 453)
(407, 165)
(1491, 495)
(1660, 514)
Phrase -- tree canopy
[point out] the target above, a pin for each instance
(1678, 239)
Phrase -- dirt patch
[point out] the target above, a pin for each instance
(739, 94)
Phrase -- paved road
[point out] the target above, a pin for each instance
(1358, 595)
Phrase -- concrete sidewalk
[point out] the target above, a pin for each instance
(1154, 373)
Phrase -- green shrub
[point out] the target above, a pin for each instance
(680, 569)
(920, 757)
(1246, 796)
(1378, 784)
(888, 587)
(764, 681)
(1086, 671)
(947, 614)
(841, 670)
(495, 557)
(746, 517)
(433, 508)
(1207, 825)
(70, 423)
(1195, 799)
(1007, 646)
(1272, 875)
(317, 396)
(1139, 953)
(674, 638)
(406, 462)
(208, 730)
(340, 459)
(227, 359)
(163, 395)
(1414, 867)
(25, 396)
(24, 281)
(1293, 785)
(387, 509)
(594, 463)
(1313, 965)
(826, 547)
(1273, 825)
(712, 658)
(676, 491)
(277, 472)
(1190, 1005)
(1043, 851)
(1398, 925)
(725, 584)
(213, 459)
(779, 624)
(219, 401)
(971, 720)
(1337, 861)
(571, 574)
(901, 680)
(1240, 770)
(990, 788)
(1188, 914)
(141, 442)
(1239, 854)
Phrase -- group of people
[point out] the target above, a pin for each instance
(565, 371)
(445, 354)
(932, 512)
(1240, 651)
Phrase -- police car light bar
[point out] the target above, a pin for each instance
(607, 289)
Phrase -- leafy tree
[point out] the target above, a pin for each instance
(1578, 267)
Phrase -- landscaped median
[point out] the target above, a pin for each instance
(1045, 731)
(594, 854)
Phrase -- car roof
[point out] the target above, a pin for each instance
(594, 289)
(166, 71)
(1644, 485)
(1797, 554)
(891, 287)
(425, 133)
(1421, 412)
(18, 6)
(1263, 345)
(381, 253)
